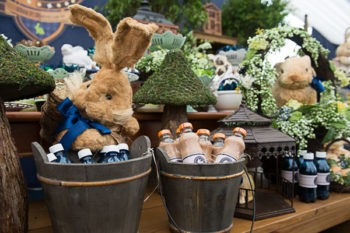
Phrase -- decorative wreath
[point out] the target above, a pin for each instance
(311, 126)
(258, 96)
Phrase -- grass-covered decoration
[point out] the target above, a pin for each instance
(175, 85)
(19, 77)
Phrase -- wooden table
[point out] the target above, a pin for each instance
(308, 218)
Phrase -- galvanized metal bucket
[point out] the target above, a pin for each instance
(96, 198)
(199, 197)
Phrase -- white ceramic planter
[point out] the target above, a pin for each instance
(228, 101)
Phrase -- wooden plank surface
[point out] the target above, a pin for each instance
(308, 218)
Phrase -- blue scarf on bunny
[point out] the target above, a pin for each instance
(317, 85)
(75, 123)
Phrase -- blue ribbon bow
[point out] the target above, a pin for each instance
(317, 84)
(75, 123)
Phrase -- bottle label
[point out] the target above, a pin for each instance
(194, 158)
(307, 181)
(177, 159)
(323, 178)
(224, 158)
(288, 175)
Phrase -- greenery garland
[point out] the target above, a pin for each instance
(264, 75)
(297, 120)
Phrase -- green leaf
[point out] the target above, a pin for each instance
(296, 116)
(347, 114)
(339, 124)
(332, 162)
(329, 136)
(306, 109)
(250, 54)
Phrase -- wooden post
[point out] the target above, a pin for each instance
(13, 195)
(173, 116)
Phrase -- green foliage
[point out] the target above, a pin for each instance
(19, 77)
(242, 18)
(190, 12)
(174, 83)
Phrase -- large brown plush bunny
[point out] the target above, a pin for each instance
(107, 99)
(295, 77)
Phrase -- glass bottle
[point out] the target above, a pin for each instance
(322, 175)
(123, 151)
(233, 147)
(168, 144)
(219, 142)
(308, 179)
(301, 157)
(52, 158)
(58, 150)
(205, 144)
(189, 146)
(109, 154)
(85, 156)
(289, 189)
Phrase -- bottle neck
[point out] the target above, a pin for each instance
(204, 137)
(238, 134)
(166, 138)
(219, 141)
(186, 130)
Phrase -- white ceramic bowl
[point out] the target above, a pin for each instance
(228, 101)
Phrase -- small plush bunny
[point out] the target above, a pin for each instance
(107, 99)
(295, 77)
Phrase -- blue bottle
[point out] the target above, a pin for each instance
(58, 150)
(289, 186)
(300, 159)
(109, 154)
(85, 156)
(52, 158)
(123, 153)
(308, 179)
(322, 175)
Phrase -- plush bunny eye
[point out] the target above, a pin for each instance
(282, 71)
(306, 69)
(108, 96)
(87, 86)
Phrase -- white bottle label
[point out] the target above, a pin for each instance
(224, 158)
(323, 178)
(288, 175)
(307, 181)
(177, 159)
(195, 158)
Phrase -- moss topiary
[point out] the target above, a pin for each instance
(174, 84)
(19, 77)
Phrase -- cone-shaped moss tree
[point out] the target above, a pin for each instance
(175, 85)
(19, 78)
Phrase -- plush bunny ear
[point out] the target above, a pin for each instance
(131, 40)
(278, 67)
(99, 29)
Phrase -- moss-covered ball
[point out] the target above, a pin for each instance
(19, 77)
(174, 83)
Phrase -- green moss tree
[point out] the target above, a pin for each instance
(242, 18)
(19, 78)
(175, 85)
(189, 12)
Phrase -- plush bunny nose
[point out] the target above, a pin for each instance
(294, 77)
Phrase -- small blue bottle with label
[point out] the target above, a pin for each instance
(52, 158)
(85, 156)
(109, 154)
(322, 175)
(123, 153)
(308, 179)
(58, 150)
(289, 169)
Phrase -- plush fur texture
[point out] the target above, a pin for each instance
(343, 53)
(107, 99)
(295, 76)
